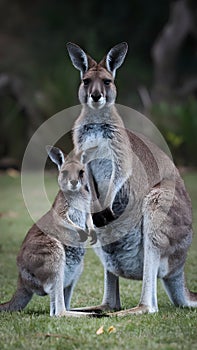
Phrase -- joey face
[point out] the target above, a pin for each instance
(97, 88)
(71, 177)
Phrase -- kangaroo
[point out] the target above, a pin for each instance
(145, 227)
(75, 185)
(47, 263)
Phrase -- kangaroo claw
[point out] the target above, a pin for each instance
(93, 237)
(83, 235)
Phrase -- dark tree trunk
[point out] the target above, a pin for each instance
(26, 120)
(166, 50)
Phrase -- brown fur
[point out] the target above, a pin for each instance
(50, 260)
(150, 229)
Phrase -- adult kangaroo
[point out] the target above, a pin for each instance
(145, 225)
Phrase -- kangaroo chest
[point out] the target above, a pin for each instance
(93, 133)
(124, 256)
(77, 216)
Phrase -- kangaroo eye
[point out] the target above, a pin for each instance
(107, 81)
(81, 173)
(86, 82)
(64, 172)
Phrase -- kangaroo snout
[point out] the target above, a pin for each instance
(74, 184)
(96, 100)
(96, 95)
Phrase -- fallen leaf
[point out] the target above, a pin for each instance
(13, 173)
(9, 214)
(111, 329)
(100, 330)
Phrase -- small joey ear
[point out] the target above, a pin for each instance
(56, 155)
(78, 57)
(88, 155)
(115, 57)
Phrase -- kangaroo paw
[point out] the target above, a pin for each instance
(93, 237)
(109, 214)
(103, 217)
(83, 235)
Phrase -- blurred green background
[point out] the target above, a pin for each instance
(37, 80)
(159, 77)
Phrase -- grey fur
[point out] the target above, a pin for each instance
(145, 228)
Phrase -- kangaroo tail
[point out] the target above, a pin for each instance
(192, 297)
(19, 300)
(177, 291)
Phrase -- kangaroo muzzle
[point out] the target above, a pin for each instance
(73, 185)
(96, 95)
(96, 100)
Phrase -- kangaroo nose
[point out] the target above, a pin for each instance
(96, 96)
(74, 183)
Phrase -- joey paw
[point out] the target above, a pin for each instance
(83, 235)
(93, 237)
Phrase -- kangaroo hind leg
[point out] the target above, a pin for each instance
(111, 297)
(148, 300)
(154, 242)
(56, 293)
(177, 291)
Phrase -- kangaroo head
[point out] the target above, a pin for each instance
(72, 170)
(97, 88)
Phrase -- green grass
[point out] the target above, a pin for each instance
(171, 328)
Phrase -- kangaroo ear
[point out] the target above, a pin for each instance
(56, 155)
(115, 57)
(78, 57)
(88, 155)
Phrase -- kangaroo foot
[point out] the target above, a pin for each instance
(138, 310)
(71, 313)
(95, 309)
